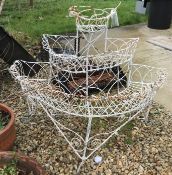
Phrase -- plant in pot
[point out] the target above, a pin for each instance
(12, 163)
(7, 128)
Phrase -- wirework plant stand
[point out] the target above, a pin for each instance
(89, 83)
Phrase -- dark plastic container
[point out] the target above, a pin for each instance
(11, 50)
(160, 14)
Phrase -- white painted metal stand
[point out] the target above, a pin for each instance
(100, 83)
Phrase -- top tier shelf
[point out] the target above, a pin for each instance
(92, 19)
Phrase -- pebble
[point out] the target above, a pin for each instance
(98, 159)
(108, 172)
(141, 169)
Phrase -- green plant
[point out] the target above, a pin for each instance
(128, 140)
(10, 169)
(1, 123)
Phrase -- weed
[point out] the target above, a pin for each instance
(128, 141)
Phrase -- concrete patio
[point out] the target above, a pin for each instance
(151, 54)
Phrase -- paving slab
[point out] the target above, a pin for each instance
(151, 54)
(162, 41)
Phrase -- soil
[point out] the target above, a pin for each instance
(4, 119)
(20, 172)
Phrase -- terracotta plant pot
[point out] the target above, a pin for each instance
(7, 134)
(23, 163)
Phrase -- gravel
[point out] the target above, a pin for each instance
(144, 149)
